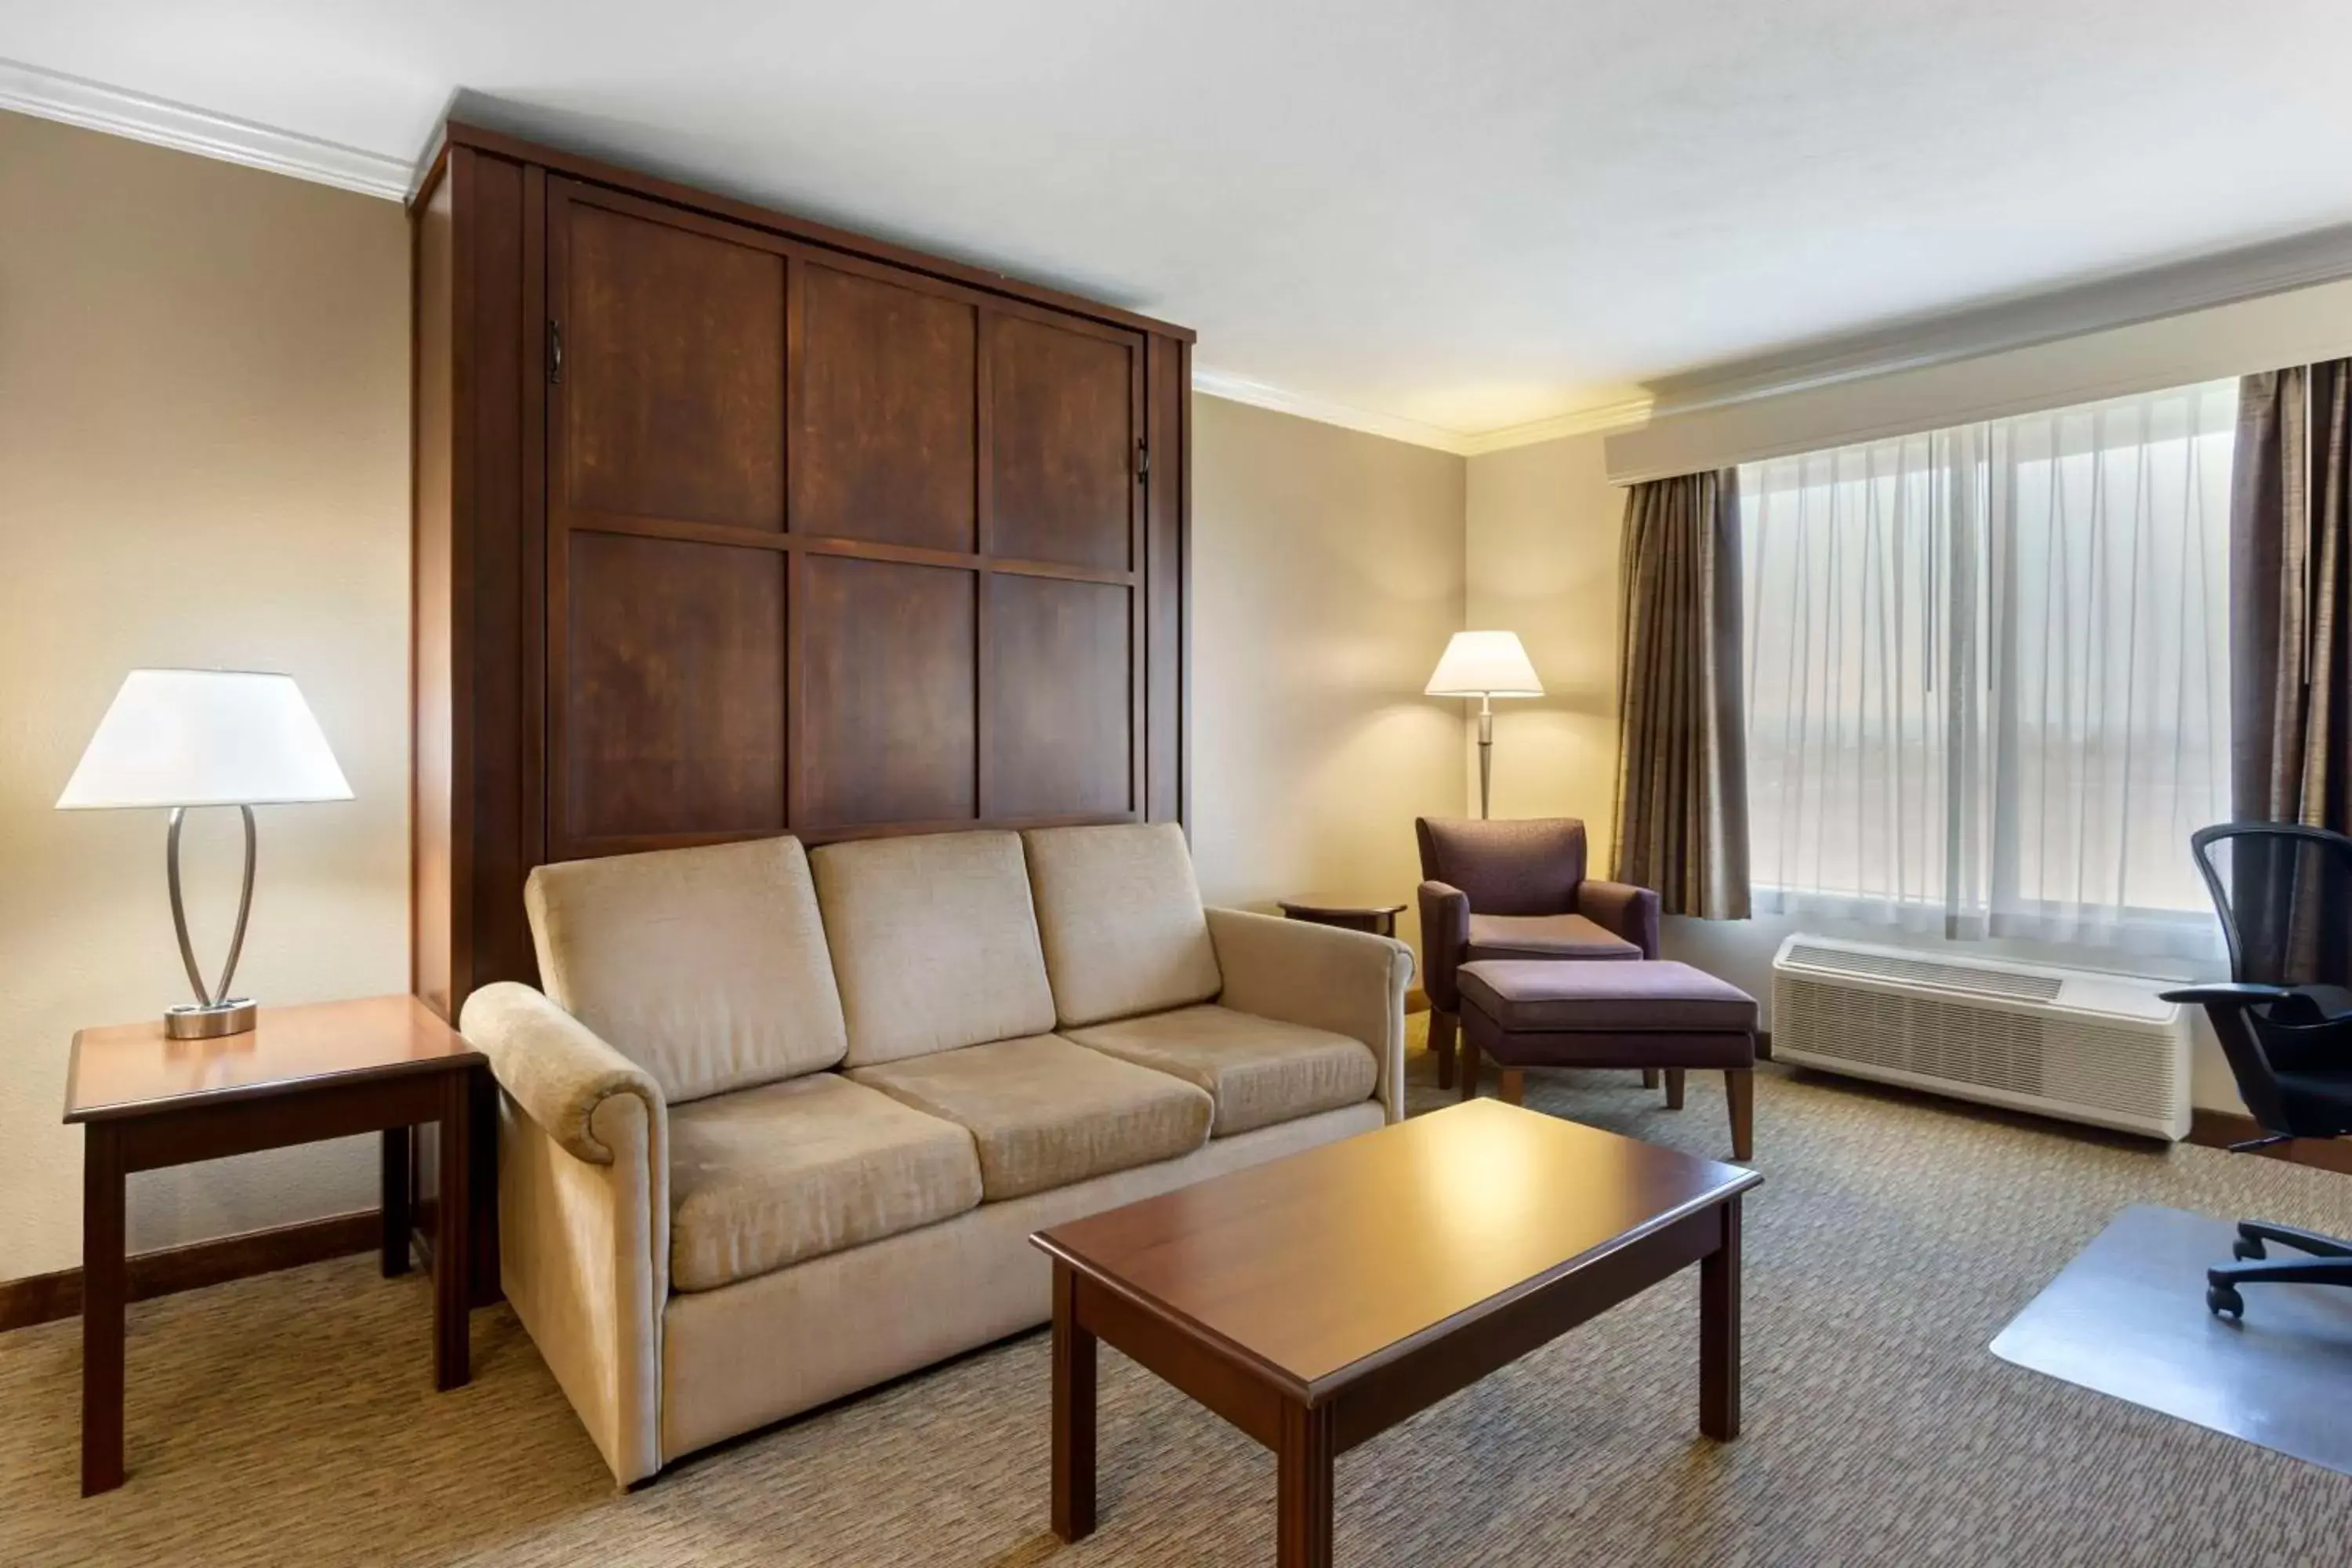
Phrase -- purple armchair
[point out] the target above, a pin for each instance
(1516, 890)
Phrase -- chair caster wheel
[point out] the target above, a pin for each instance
(2247, 1246)
(2223, 1300)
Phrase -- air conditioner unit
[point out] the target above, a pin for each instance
(2088, 1046)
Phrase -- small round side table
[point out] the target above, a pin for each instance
(1378, 918)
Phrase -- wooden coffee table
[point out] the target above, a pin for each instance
(1315, 1302)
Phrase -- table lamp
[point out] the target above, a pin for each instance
(185, 737)
(1485, 665)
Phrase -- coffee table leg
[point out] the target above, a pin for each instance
(105, 1286)
(1719, 1332)
(452, 1246)
(1302, 1488)
(1074, 1413)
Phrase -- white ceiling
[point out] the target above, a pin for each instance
(1471, 215)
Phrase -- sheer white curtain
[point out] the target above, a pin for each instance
(1988, 673)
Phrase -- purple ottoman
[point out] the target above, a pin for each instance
(1654, 1012)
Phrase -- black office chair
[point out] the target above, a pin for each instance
(2285, 895)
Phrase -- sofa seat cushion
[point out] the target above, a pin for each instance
(1121, 919)
(1045, 1113)
(768, 1177)
(1544, 936)
(1258, 1071)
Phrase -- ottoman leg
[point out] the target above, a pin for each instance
(1649, 1078)
(1674, 1089)
(1469, 1067)
(1740, 1089)
(1443, 1027)
(1514, 1086)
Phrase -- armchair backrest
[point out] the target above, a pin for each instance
(1531, 867)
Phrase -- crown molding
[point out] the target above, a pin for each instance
(1323, 410)
(94, 106)
(1414, 432)
(1589, 420)
(2175, 289)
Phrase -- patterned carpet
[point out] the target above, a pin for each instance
(289, 1419)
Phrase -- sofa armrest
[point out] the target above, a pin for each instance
(1349, 983)
(1629, 911)
(557, 1069)
(1444, 938)
(583, 1214)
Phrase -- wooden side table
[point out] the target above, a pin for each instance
(302, 1073)
(1378, 918)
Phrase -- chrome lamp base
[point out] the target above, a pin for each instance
(188, 1021)
(215, 1013)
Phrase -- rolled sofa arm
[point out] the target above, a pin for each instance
(1444, 935)
(583, 1213)
(556, 1068)
(1629, 911)
(1349, 983)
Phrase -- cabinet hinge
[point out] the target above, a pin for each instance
(554, 352)
(1142, 460)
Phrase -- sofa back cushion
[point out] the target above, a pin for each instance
(1120, 915)
(934, 943)
(706, 967)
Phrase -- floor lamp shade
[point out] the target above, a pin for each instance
(182, 738)
(1485, 665)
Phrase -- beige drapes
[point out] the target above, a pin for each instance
(2291, 590)
(1681, 779)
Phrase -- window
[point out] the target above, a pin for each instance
(1988, 673)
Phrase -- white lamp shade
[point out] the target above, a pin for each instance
(205, 737)
(1484, 664)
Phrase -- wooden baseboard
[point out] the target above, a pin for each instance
(2220, 1129)
(45, 1297)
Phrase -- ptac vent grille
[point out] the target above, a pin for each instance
(2117, 1071)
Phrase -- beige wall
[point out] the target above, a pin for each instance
(203, 459)
(1541, 548)
(1327, 576)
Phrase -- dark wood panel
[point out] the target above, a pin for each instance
(504, 467)
(673, 701)
(1059, 715)
(438, 880)
(887, 422)
(1062, 444)
(877, 446)
(1167, 398)
(885, 672)
(673, 369)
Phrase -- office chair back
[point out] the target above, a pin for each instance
(2284, 893)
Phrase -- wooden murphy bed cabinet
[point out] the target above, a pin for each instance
(732, 524)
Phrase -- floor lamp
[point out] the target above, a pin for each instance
(1485, 665)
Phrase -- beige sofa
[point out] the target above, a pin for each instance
(783, 1121)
